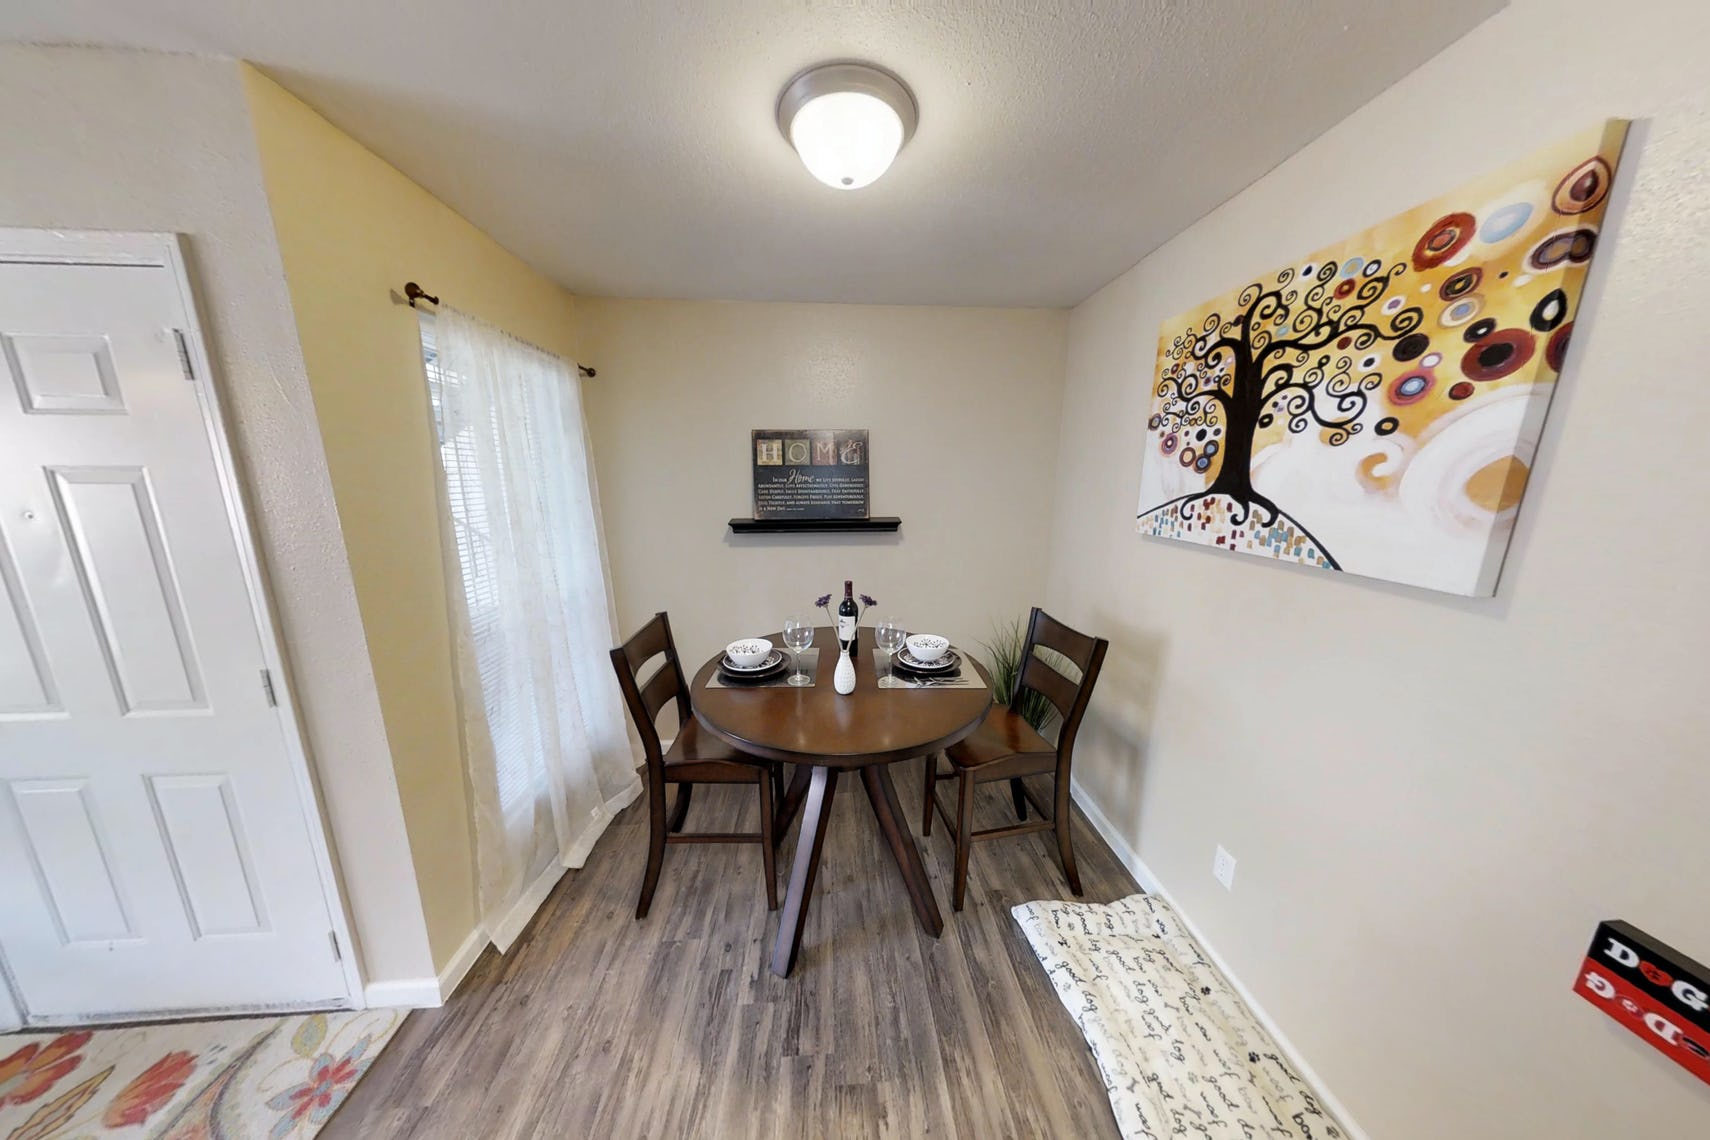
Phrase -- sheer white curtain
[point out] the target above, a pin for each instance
(545, 740)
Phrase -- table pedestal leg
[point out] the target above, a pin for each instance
(877, 780)
(791, 802)
(822, 783)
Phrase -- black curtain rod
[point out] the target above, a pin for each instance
(414, 293)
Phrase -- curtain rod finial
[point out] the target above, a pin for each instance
(414, 293)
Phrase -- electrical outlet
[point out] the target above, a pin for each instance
(1223, 868)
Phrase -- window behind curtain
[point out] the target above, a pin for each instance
(514, 740)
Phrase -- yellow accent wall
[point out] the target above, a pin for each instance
(351, 230)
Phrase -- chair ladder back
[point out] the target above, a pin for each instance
(647, 643)
(658, 690)
(1085, 653)
(645, 700)
(1043, 678)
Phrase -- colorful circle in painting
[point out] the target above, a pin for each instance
(1584, 187)
(1411, 346)
(1169, 443)
(1410, 388)
(1458, 285)
(1387, 425)
(1500, 354)
(1479, 329)
(1549, 312)
(1461, 311)
(1555, 352)
(1504, 222)
(1446, 237)
(1561, 249)
(1461, 389)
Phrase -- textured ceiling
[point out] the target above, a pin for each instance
(630, 149)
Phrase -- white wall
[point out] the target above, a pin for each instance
(961, 406)
(1433, 801)
(132, 141)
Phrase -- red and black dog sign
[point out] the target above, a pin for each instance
(1652, 989)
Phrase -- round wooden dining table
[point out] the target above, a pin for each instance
(825, 734)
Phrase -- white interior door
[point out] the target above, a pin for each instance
(155, 845)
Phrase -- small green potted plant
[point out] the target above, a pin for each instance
(1008, 644)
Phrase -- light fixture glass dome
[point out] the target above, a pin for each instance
(847, 121)
(846, 139)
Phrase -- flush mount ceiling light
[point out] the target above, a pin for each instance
(847, 121)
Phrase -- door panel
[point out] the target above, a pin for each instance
(129, 586)
(155, 851)
(210, 856)
(26, 682)
(72, 860)
(64, 373)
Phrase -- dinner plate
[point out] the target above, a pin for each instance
(753, 676)
(946, 664)
(773, 660)
(905, 673)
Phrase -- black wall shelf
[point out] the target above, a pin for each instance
(877, 525)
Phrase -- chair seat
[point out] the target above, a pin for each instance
(1004, 736)
(700, 757)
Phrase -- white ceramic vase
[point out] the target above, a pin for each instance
(844, 679)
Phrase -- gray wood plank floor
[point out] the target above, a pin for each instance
(597, 1025)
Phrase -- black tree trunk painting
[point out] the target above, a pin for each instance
(1383, 394)
(1299, 351)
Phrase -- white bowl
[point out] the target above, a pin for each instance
(749, 652)
(927, 647)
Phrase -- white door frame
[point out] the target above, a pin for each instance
(102, 247)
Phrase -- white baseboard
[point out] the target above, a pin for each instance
(402, 993)
(1150, 884)
(1115, 841)
(429, 993)
(510, 927)
(462, 961)
(577, 853)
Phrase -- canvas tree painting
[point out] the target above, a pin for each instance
(1374, 408)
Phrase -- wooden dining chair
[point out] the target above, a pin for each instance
(1006, 747)
(694, 757)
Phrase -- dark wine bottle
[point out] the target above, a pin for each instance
(847, 616)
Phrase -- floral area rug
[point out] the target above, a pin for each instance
(277, 1078)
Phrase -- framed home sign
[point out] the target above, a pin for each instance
(810, 473)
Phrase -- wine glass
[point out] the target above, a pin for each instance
(798, 635)
(889, 636)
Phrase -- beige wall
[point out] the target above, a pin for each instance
(352, 230)
(131, 141)
(962, 408)
(1433, 801)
